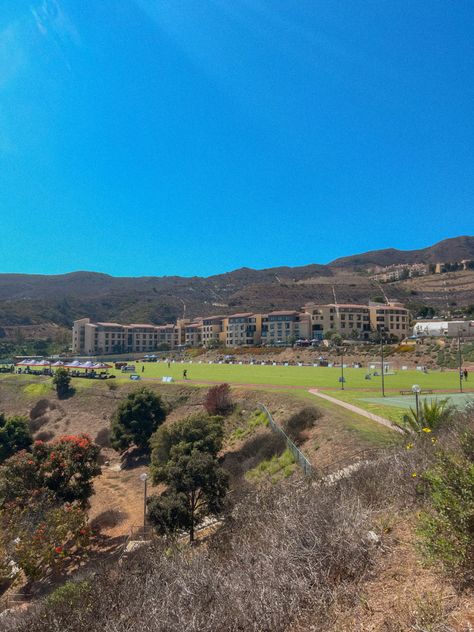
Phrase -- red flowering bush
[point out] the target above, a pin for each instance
(43, 497)
(64, 467)
(42, 536)
(67, 466)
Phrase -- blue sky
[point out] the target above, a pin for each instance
(192, 137)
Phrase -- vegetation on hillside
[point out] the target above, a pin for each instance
(44, 495)
(137, 417)
(297, 555)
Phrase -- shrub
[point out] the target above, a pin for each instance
(136, 419)
(64, 467)
(41, 535)
(446, 527)
(429, 418)
(67, 596)
(15, 435)
(62, 382)
(218, 400)
(283, 554)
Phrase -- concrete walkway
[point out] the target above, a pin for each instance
(356, 409)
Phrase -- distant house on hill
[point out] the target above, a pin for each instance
(444, 328)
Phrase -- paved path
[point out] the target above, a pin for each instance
(355, 409)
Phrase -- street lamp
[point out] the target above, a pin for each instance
(144, 478)
(417, 390)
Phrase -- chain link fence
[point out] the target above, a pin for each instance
(299, 457)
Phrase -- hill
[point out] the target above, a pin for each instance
(454, 249)
(31, 300)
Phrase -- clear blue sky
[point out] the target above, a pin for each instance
(198, 136)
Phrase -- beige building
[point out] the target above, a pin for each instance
(392, 318)
(285, 327)
(242, 330)
(344, 319)
(104, 338)
(245, 329)
(168, 335)
(193, 334)
(211, 330)
(101, 337)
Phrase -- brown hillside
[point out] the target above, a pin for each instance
(27, 300)
(454, 249)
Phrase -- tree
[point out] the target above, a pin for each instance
(15, 435)
(196, 432)
(336, 339)
(218, 400)
(184, 456)
(62, 382)
(63, 468)
(197, 486)
(137, 417)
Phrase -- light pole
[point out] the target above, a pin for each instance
(383, 367)
(417, 390)
(144, 479)
(342, 369)
(460, 361)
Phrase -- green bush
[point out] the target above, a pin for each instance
(62, 382)
(15, 435)
(446, 527)
(430, 417)
(136, 419)
(69, 595)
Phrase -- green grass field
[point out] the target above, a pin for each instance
(305, 377)
(363, 393)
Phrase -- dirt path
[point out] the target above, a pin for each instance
(355, 409)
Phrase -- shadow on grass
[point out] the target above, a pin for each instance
(257, 449)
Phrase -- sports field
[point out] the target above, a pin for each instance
(299, 376)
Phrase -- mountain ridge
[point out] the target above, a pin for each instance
(28, 299)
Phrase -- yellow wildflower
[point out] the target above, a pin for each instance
(426, 429)
(414, 475)
(409, 446)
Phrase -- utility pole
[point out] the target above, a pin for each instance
(342, 369)
(460, 361)
(383, 367)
